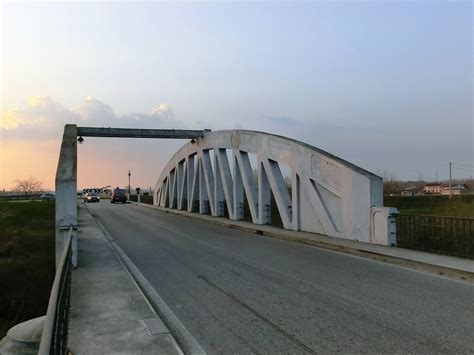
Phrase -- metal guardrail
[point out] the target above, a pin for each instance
(146, 199)
(436, 234)
(20, 197)
(55, 330)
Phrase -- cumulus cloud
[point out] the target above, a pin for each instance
(164, 111)
(31, 135)
(45, 118)
(93, 110)
(39, 112)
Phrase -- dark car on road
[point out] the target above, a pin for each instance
(118, 196)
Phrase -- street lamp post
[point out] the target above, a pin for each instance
(129, 174)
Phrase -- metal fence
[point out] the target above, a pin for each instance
(54, 337)
(147, 199)
(436, 234)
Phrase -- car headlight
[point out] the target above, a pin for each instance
(88, 197)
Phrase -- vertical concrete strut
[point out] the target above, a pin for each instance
(246, 174)
(322, 194)
(190, 181)
(183, 186)
(208, 180)
(226, 179)
(218, 189)
(295, 200)
(280, 191)
(264, 203)
(238, 206)
(172, 187)
(202, 188)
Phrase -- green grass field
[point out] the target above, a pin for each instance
(26, 260)
(458, 206)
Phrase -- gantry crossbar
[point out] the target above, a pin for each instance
(140, 133)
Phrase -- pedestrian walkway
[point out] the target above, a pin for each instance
(109, 314)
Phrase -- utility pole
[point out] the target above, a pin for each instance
(129, 174)
(450, 183)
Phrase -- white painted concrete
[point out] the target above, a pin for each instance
(383, 221)
(66, 192)
(328, 194)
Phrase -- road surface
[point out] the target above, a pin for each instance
(237, 292)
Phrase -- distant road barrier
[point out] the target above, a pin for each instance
(54, 337)
(436, 234)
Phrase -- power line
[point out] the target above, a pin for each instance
(417, 170)
(458, 168)
(469, 166)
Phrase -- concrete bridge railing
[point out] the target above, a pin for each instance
(328, 195)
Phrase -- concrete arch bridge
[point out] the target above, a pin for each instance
(314, 191)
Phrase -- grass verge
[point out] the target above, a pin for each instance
(26, 260)
(458, 206)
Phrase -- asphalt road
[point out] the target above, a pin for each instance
(237, 292)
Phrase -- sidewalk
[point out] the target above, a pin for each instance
(450, 266)
(109, 314)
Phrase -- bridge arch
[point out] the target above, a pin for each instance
(322, 193)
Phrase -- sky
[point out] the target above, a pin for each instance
(386, 85)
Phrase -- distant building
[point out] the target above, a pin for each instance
(455, 190)
(433, 188)
(409, 191)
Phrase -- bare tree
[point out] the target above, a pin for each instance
(391, 184)
(28, 186)
(421, 181)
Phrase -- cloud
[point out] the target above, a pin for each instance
(44, 118)
(164, 110)
(31, 135)
(93, 110)
(38, 112)
(378, 144)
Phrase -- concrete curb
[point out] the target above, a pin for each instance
(324, 242)
(186, 342)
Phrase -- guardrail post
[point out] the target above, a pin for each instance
(66, 191)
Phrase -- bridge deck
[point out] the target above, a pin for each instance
(238, 293)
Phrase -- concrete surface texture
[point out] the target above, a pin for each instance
(140, 133)
(109, 314)
(328, 194)
(24, 338)
(240, 293)
(66, 191)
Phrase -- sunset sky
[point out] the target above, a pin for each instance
(386, 85)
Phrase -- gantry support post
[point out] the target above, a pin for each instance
(66, 192)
